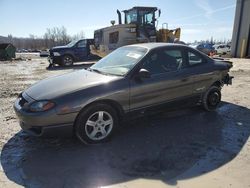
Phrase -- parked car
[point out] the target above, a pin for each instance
(35, 51)
(23, 51)
(44, 53)
(73, 52)
(131, 80)
(222, 49)
(205, 48)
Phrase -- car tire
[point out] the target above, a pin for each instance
(96, 124)
(212, 98)
(67, 60)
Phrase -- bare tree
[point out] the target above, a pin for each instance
(56, 36)
(52, 37)
(78, 36)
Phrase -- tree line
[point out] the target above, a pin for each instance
(55, 36)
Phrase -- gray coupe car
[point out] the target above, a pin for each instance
(130, 81)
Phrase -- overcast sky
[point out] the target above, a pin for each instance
(198, 19)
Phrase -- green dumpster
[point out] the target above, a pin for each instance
(7, 51)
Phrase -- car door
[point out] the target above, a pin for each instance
(81, 50)
(201, 71)
(169, 79)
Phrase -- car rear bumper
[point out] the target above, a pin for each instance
(228, 79)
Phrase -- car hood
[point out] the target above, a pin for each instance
(53, 87)
(59, 48)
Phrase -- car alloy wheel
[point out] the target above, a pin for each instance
(99, 125)
(96, 123)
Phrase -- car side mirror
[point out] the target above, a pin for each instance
(143, 73)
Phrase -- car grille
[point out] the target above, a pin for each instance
(50, 53)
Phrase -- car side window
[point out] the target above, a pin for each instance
(163, 61)
(194, 59)
(81, 44)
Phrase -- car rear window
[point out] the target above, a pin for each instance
(194, 59)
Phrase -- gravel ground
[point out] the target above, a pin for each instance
(184, 148)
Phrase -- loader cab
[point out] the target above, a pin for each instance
(144, 19)
(140, 16)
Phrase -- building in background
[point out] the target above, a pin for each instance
(241, 31)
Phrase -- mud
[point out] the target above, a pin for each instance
(181, 148)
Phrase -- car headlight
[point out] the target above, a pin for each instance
(56, 54)
(41, 106)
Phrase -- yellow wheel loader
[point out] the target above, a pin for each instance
(139, 27)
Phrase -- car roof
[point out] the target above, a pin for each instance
(154, 45)
(142, 8)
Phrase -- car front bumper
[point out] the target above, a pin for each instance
(62, 130)
(54, 59)
(47, 123)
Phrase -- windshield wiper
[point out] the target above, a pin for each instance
(101, 72)
(96, 70)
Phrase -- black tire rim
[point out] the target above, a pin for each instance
(213, 99)
(67, 60)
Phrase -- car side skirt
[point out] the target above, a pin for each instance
(167, 106)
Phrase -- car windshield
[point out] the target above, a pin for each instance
(120, 61)
(72, 43)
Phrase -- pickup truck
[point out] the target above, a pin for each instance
(75, 51)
